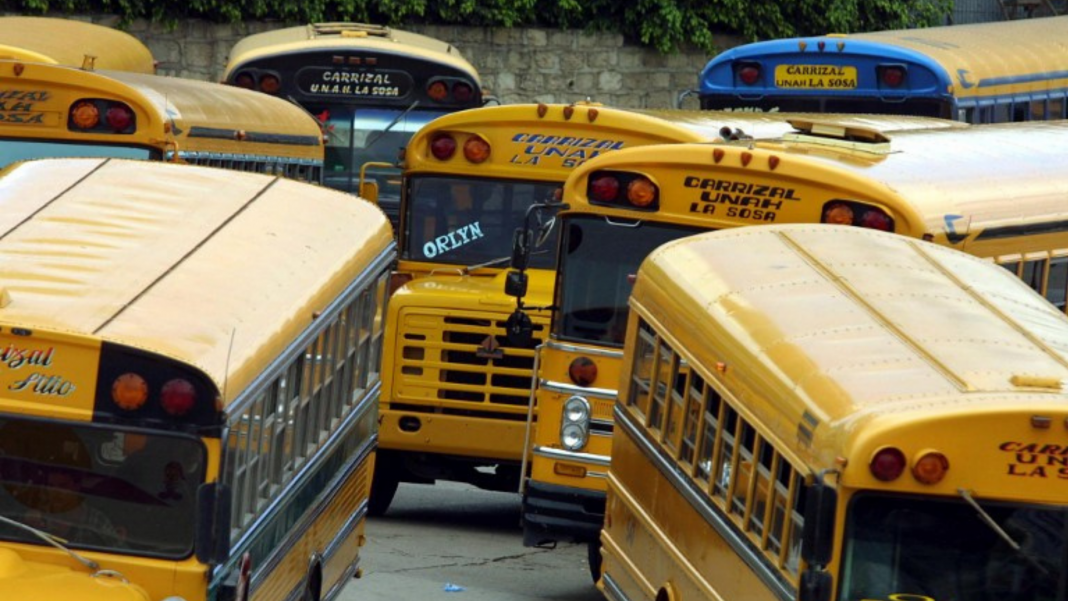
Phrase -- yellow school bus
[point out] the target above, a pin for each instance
(371, 86)
(455, 405)
(72, 43)
(190, 371)
(815, 412)
(56, 111)
(932, 184)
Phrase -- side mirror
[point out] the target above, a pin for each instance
(515, 284)
(369, 191)
(212, 542)
(817, 536)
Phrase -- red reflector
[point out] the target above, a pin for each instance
(245, 80)
(476, 149)
(437, 91)
(876, 220)
(443, 146)
(85, 115)
(119, 117)
(749, 74)
(583, 371)
(177, 397)
(887, 464)
(270, 84)
(462, 92)
(604, 188)
(893, 76)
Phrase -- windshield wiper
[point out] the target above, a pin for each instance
(395, 121)
(490, 263)
(989, 521)
(53, 540)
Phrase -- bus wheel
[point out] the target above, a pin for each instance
(313, 583)
(593, 555)
(383, 488)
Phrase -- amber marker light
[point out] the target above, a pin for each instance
(582, 371)
(838, 213)
(129, 391)
(437, 91)
(887, 464)
(85, 115)
(476, 149)
(641, 192)
(930, 467)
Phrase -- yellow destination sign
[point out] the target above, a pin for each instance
(816, 77)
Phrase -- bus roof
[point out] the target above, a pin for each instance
(177, 107)
(69, 42)
(949, 182)
(344, 36)
(194, 263)
(841, 324)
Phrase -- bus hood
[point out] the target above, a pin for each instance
(22, 580)
(456, 291)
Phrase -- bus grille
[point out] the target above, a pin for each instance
(464, 359)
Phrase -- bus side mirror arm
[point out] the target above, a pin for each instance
(817, 540)
(212, 542)
(369, 189)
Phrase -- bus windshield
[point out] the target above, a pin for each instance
(355, 136)
(12, 151)
(464, 221)
(896, 547)
(601, 258)
(100, 488)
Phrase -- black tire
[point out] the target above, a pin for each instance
(383, 489)
(593, 556)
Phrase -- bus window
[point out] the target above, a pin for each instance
(1058, 280)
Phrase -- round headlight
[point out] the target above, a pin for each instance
(573, 437)
(576, 410)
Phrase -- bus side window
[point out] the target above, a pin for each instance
(1056, 108)
(1034, 274)
(666, 364)
(695, 390)
(713, 411)
(641, 373)
(1039, 110)
(676, 405)
(1057, 282)
(724, 456)
(1013, 267)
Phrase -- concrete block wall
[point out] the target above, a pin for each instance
(516, 65)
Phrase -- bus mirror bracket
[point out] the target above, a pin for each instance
(817, 540)
(369, 189)
(212, 543)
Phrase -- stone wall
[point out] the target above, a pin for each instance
(516, 65)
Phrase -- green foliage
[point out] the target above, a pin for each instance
(666, 25)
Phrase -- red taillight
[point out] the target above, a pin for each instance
(887, 464)
(438, 91)
(270, 84)
(462, 92)
(245, 80)
(876, 220)
(930, 468)
(177, 397)
(476, 149)
(119, 117)
(443, 146)
(604, 188)
(749, 74)
(892, 77)
(85, 115)
(582, 371)
(129, 391)
(641, 192)
(838, 213)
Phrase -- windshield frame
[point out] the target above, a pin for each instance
(89, 491)
(941, 526)
(619, 248)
